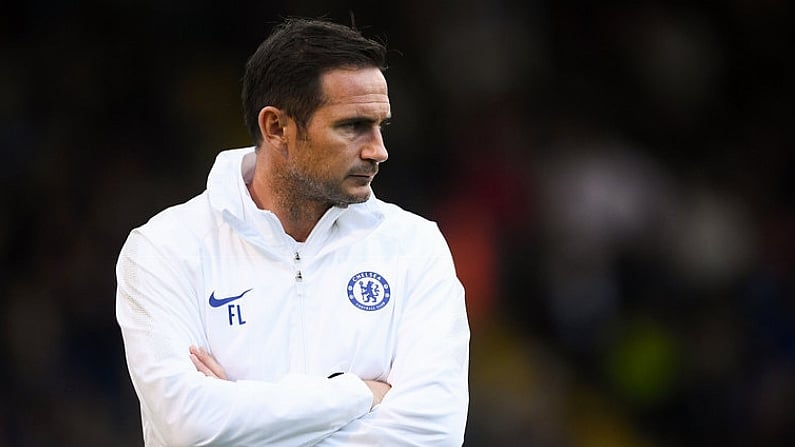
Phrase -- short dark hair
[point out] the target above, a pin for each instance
(285, 70)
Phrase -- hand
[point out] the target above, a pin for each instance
(205, 363)
(379, 390)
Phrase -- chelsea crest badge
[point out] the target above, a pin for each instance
(368, 291)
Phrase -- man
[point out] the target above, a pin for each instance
(286, 305)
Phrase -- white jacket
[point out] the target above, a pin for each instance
(372, 292)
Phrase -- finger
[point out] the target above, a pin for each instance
(209, 362)
(201, 367)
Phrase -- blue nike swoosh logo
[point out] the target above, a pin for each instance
(218, 302)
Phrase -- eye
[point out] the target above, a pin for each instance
(356, 125)
(362, 126)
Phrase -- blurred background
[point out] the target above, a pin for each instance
(614, 179)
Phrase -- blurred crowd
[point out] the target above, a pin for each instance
(614, 179)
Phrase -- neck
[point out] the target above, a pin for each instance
(298, 215)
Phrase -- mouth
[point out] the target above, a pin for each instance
(369, 175)
(361, 179)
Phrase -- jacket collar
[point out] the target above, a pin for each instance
(229, 197)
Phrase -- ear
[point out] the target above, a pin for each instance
(273, 124)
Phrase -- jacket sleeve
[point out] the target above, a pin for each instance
(428, 402)
(160, 318)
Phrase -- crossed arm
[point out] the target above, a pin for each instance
(207, 365)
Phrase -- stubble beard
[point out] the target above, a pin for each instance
(303, 193)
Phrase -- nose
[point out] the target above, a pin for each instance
(374, 149)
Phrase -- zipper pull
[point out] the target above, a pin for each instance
(298, 276)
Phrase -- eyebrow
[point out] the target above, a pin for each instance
(362, 119)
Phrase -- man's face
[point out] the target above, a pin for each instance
(337, 156)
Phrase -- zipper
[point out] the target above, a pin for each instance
(299, 279)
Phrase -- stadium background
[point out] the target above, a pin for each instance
(614, 178)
